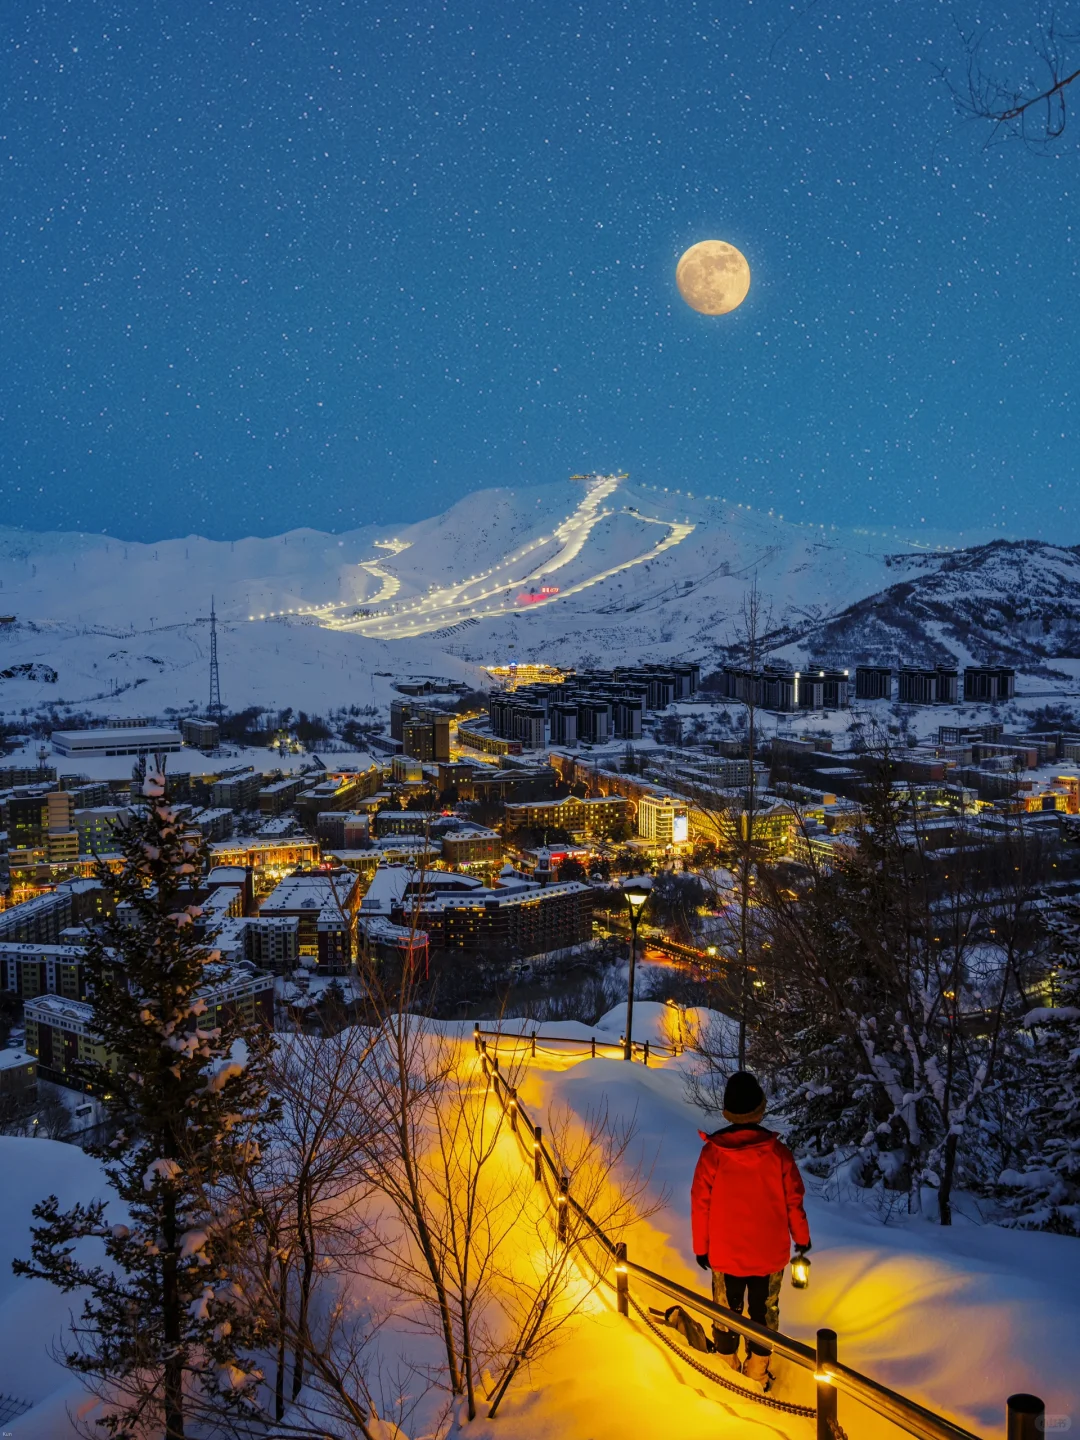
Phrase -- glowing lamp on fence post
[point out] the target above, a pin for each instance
(622, 1295)
(562, 1202)
(825, 1390)
(800, 1271)
(636, 896)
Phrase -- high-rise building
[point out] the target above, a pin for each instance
(663, 820)
(564, 720)
(937, 686)
(873, 682)
(989, 683)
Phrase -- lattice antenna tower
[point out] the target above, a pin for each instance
(215, 674)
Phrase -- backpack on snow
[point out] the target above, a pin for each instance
(692, 1331)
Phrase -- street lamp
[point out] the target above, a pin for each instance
(636, 896)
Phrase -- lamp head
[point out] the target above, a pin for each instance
(636, 896)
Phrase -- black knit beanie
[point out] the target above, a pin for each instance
(744, 1099)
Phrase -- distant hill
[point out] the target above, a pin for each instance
(570, 574)
(1013, 602)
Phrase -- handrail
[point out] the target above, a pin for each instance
(909, 1414)
(593, 1043)
(1024, 1411)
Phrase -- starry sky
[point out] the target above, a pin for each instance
(268, 265)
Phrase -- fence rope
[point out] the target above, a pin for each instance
(787, 1406)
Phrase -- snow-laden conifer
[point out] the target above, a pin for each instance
(1044, 1193)
(165, 1332)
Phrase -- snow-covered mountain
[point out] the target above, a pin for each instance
(586, 572)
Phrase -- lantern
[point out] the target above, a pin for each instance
(800, 1271)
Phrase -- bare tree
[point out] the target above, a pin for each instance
(886, 1002)
(437, 1166)
(561, 1267)
(1033, 109)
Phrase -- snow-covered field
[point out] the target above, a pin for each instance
(316, 621)
(957, 1319)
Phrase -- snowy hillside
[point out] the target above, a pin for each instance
(570, 573)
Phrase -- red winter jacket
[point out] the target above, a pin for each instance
(746, 1200)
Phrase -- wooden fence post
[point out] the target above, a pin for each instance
(622, 1283)
(593, 1039)
(513, 1107)
(476, 1035)
(563, 1203)
(1024, 1417)
(646, 1052)
(538, 1157)
(826, 1390)
(534, 1043)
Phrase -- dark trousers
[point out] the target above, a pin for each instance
(758, 1294)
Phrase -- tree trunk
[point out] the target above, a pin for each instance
(948, 1172)
(173, 1388)
(306, 1278)
(283, 1320)
(427, 1249)
(467, 1358)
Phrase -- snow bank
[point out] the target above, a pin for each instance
(32, 1314)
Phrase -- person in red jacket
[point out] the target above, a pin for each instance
(746, 1207)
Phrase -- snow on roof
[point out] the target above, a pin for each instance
(307, 892)
(15, 1059)
(52, 1008)
(130, 734)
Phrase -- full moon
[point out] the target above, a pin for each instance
(713, 277)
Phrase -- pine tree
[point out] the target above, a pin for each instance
(1045, 1194)
(165, 1331)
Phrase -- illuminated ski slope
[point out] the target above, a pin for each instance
(494, 591)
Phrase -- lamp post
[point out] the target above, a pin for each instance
(636, 896)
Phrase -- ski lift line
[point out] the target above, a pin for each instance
(916, 1419)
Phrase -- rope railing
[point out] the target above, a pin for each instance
(1024, 1413)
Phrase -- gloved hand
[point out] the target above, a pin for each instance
(703, 1261)
(801, 1249)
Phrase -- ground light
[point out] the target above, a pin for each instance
(636, 896)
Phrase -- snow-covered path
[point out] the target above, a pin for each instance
(956, 1319)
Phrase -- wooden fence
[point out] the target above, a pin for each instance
(1024, 1414)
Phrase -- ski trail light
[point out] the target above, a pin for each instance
(800, 1271)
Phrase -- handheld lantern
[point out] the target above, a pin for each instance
(800, 1271)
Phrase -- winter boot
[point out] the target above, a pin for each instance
(733, 1360)
(756, 1367)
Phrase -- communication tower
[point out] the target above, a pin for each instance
(215, 676)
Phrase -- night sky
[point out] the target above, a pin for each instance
(273, 265)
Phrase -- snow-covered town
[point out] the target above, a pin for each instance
(392, 1032)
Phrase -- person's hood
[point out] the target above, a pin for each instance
(738, 1137)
